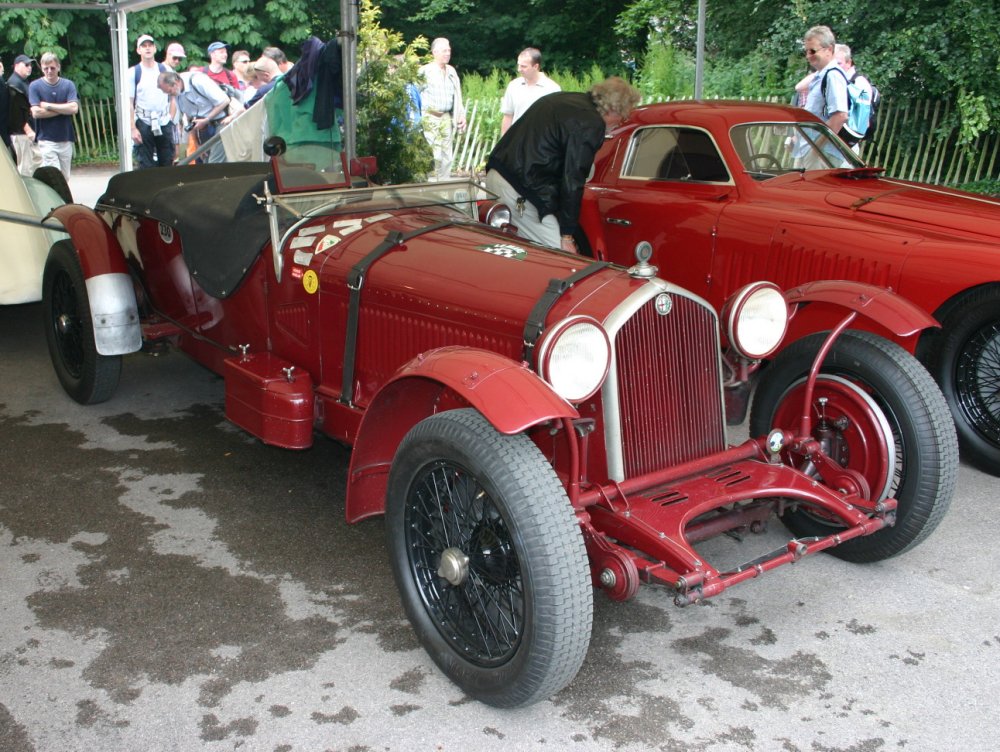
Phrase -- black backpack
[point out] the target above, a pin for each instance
(138, 71)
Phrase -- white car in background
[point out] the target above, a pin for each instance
(23, 249)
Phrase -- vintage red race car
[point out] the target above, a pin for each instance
(731, 192)
(532, 424)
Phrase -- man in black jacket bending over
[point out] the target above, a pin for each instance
(540, 165)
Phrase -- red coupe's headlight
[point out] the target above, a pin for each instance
(496, 215)
(756, 319)
(574, 357)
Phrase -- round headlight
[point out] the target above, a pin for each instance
(756, 318)
(498, 216)
(574, 357)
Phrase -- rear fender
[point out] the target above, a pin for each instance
(510, 396)
(110, 291)
(882, 306)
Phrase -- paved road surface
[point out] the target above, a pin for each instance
(171, 584)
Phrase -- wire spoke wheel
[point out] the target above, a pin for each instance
(464, 561)
(977, 376)
(489, 559)
(964, 358)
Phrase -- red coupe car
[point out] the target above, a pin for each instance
(729, 192)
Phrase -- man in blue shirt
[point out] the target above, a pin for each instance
(54, 102)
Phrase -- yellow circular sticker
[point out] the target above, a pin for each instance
(310, 282)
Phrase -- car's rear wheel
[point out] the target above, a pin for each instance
(876, 411)
(964, 358)
(86, 375)
(54, 179)
(489, 559)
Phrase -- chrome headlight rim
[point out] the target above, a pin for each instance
(594, 371)
(744, 308)
(498, 215)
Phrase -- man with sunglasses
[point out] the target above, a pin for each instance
(829, 102)
(174, 56)
(826, 97)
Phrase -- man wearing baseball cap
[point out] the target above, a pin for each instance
(24, 143)
(218, 54)
(152, 116)
(175, 53)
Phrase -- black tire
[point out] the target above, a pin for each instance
(54, 179)
(869, 372)
(964, 358)
(86, 375)
(458, 487)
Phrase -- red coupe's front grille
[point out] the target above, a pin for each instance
(669, 395)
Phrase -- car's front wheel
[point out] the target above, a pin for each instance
(85, 374)
(876, 411)
(489, 559)
(964, 357)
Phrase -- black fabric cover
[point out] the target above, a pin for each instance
(211, 207)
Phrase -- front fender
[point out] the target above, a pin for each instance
(510, 396)
(113, 307)
(883, 306)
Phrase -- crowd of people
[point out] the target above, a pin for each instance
(548, 142)
(172, 108)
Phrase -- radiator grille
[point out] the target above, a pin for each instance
(668, 386)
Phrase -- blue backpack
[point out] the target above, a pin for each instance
(860, 107)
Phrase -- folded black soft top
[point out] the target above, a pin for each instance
(213, 209)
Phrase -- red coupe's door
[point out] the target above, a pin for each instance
(669, 188)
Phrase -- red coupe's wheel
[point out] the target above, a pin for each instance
(886, 419)
(964, 357)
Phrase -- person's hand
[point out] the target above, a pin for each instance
(136, 136)
(567, 243)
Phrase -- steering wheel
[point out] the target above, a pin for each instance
(770, 159)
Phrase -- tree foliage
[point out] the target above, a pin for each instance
(923, 49)
(919, 49)
(572, 34)
(387, 66)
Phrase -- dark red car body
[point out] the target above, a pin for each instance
(715, 187)
(391, 320)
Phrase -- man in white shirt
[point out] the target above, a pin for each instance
(523, 91)
(443, 113)
(152, 109)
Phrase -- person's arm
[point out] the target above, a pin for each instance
(458, 110)
(836, 121)
(136, 136)
(507, 109)
(582, 142)
(836, 100)
(52, 109)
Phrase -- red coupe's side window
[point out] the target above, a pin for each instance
(672, 153)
